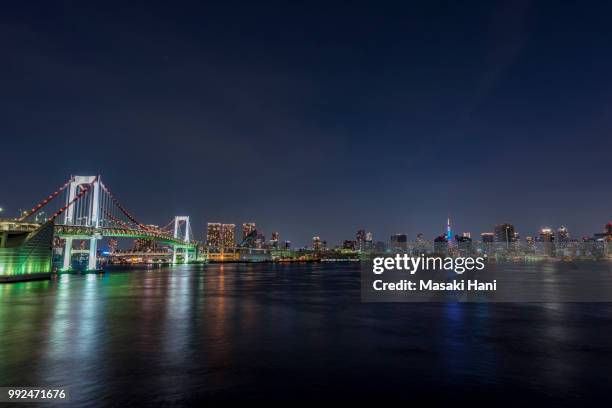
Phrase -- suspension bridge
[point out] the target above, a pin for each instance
(83, 208)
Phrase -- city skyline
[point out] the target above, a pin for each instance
(496, 235)
(232, 234)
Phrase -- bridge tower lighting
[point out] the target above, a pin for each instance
(91, 218)
(178, 220)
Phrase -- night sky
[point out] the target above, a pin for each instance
(315, 119)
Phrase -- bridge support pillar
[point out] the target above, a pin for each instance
(92, 262)
(67, 255)
(174, 255)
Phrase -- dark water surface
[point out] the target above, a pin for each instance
(173, 336)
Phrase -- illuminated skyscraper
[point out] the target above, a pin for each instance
(399, 242)
(369, 241)
(349, 244)
(449, 233)
(487, 237)
(441, 245)
(607, 233)
(112, 245)
(247, 229)
(228, 235)
(546, 235)
(360, 241)
(504, 233)
(274, 240)
(214, 234)
(562, 234)
(144, 245)
(316, 243)
(260, 240)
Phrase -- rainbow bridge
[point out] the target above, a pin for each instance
(85, 209)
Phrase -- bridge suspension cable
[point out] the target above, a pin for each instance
(46, 201)
(81, 193)
(123, 210)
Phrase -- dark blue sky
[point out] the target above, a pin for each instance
(316, 119)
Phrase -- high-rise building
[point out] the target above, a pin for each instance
(369, 241)
(274, 240)
(441, 245)
(316, 243)
(380, 247)
(399, 242)
(360, 241)
(464, 244)
(214, 234)
(467, 235)
(260, 240)
(144, 245)
(487, 237)
(287, 245)
(112, 245)
(562, 234)
(504, 233)
(247, 229)
(349, 244)
(228, 235)
(546, 235)
(607, 233)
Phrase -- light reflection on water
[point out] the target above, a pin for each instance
(173, 335)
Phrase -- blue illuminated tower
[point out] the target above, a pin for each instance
(449, 233)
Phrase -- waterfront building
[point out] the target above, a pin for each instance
(260, 240)
(464, 244)
(142, 245)
(380, 247)
(316, 243)
(606, 235)
(228, 235)
(349, 244)
(441, 245)
(214, 234)
(487, 237)
(369, 241)
(399, 242)
(504, 233)
(112, 245)
(247, 229)
(360, 240)
(546, 235)
(274, 240)
(562, 234)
